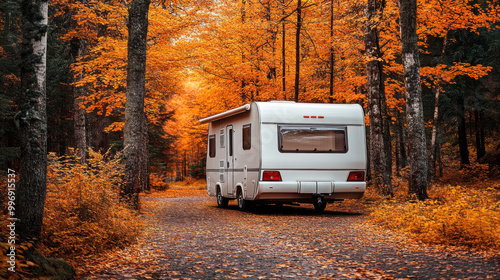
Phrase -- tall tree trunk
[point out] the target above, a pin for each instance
(135, 131)
(480, 145)
(462, 132)
(32, 120)
(380, 155)
(297, 49)
(244, 96)
(79, 116)
(283, 51)
(332, 53)
(272, 42)
(435, 127)
(401, 160)
(417, 149)
(78, 48)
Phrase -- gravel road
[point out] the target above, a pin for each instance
(190, 238)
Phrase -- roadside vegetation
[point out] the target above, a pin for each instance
(463, 209)
(84, 215)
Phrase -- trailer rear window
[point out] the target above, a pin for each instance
(312, 139)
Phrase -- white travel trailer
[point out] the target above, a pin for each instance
(286, 152)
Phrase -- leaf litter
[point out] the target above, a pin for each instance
(189, 237)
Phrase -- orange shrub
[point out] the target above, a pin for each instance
(83, 213)
(454, 215)
(157, 182)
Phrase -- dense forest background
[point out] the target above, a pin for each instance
(114, 108)
(204, 57)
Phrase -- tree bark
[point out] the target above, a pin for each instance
(283, 52)
(462, 132)
(332, 53)
(244, 96)
(135, 131)
(417, 152)
(32, 121)
(380, 152)
(479, 131)
(297, 49)
(400, 144)
(435, 127)
(79, 115)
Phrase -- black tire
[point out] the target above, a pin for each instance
(242, 203)
(221, 201)
(319, 204)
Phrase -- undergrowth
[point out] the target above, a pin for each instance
(83, 213)
(463, 214)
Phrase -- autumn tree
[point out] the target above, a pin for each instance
(32, 120)
(135, 130)
(9, 80)
(453, 16)
(78, 48)
(298, 29)
(417, 151)
(380, 151)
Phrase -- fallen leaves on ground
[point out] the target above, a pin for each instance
(189, 237)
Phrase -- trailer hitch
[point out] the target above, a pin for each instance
(319, 202)
(318, 197)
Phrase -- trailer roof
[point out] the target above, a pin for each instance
(292, 112)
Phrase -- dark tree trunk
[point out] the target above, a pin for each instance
(297, 49)
(380, 152)
(462, 132)
(244, 96)
(435, 127)
(273, 34)
(32, 121)
(332, 53)
(480, 145)
(283, 51)
(135, 131)
(79, 116)
(401, 160)
(417, 148)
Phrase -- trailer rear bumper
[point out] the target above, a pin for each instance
(301, 190)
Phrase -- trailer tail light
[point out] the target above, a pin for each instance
(271, 176)
(356, 176)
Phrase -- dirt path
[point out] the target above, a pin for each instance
(190, 238)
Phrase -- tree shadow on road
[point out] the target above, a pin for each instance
(291, 210)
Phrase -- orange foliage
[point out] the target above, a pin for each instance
(205, 57)
(83, 214)
(454, 215)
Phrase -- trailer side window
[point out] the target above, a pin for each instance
(211, 145)
(312, 139)
(247, 133)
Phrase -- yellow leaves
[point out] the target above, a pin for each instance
(116, 126)
(83, 213)
(457, 216)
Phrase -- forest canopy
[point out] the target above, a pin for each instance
(204, 57)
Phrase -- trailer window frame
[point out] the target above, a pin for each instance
(247, 136)
(336, 147)
(212, 146)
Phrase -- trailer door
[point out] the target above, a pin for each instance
(230, 160)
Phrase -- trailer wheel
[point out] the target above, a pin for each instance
(242, 203)
(221, 201)
(319, 203)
